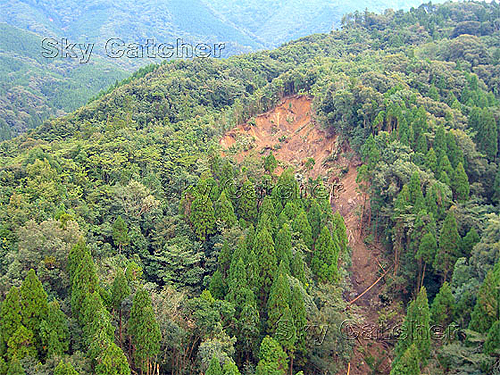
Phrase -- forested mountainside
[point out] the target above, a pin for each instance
(245, 26)
(132, 242)
(33, 88)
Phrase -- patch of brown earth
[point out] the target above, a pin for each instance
(290, 132)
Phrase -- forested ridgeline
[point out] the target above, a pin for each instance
(130, 244)
(34, 88)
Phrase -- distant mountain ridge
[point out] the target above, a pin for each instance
(33, 89)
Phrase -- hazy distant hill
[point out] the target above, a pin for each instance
(277, 21)
(244, 25)
(33, 88)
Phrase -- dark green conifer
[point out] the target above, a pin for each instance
(119, 291)
(112, 361)
(247, 202)
(301, 226)
(486, 309)
(449, 241)
(460, 184)
(34, 304)
(144, 330)
(54, 331)
(431, 161)
(492, 343)
(10, 317)
(273, 360)
(85, 282)
(416, 328)
(314, 218)
(202, 217)
(224, 212)
(408, 364)
(279, 298)
(21, 344)
(266, 263)
(443, 306)
(120, 233)
(284, 243)
(325, 258)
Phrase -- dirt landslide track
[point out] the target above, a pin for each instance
(289, 131)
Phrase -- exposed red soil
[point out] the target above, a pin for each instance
(289, 130)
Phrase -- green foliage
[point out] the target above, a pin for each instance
(10, 317)
(273, 360)
(427, 248)
(120, 232)
(132, 152)
(486, 309)
(214, 367)
(416, 328)
(299, 314)
(144, 330)
(284, 243)
(224, 211)
(112, 362)
(247, 202)
(270, 163)
(492, 343)
(279, 298)
(202, 217)
(266, 262)
(408, 364)
(230, 369)
(449, 241)
(460, 184)
(286, 333)
(487, 134)
(119, 290)
(64, 368)
(340, 231)
(15, 367)
(217, 287)
(34, 305)
(21, 344)
(443, 307)
(286, 189)
(469, 241)
(325, 258)
(84, 283)
(301, 225)
(314, 218)
(54, 331)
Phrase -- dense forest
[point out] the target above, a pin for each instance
(130, 242)
(34, 88)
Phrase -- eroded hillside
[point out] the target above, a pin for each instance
(290, 132)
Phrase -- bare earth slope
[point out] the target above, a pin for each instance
(289, 131)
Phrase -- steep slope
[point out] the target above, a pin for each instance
(128, 170)
(288, 130)
(33, 88)
(290, 133)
